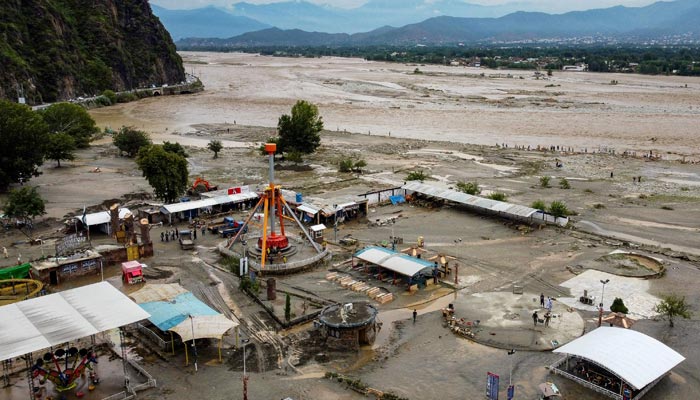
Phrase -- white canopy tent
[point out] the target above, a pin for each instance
(633, 356)
(394, 261)
(46, 321)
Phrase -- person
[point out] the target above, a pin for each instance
(4, 252)
(204, 230)
(162, 236)
(611, 174)
(194, 231)
(547, 317)
(542, 300)
(535, 317)
(177, 233)
(415, 314)
(549, 304)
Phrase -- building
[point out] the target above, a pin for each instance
(57, 270)
(348, 326)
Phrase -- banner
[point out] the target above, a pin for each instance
(492, 386)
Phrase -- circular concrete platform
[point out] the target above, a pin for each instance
(505, 321)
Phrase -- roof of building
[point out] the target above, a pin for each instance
(101, 217)
(473, 201)
(393, 260)
(204, 203)
(54, 262)
(633, 356)
(173, 308)
(42, 322)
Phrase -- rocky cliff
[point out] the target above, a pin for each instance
(60, 49)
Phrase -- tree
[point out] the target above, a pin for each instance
(544, 181)
(558, 209)
(672, 306)
(416, 176)
(166, 172)
(110, 95)
(471, 188)
(539, 205)
(618, 306)
(301, 130)
(359, 164)
(23, 136)
(288, 308)
(215, 146)
(129, 140)
(497, 196)
(564, 183)
(71, 119)
(25, 204)
(175, 148)
(60, 146)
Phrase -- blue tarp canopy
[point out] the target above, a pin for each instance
(397, 199)
(168, 314)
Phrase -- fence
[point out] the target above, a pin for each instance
(163, 344)
(554, 368)
(278, 268)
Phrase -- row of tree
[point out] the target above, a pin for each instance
(27, 138)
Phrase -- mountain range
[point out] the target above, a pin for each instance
(205, 22)
(660, 19)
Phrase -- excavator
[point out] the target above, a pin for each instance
(201, 185)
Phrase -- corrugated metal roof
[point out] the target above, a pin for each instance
(393, 260)
(101, 217)
(633, 356)
(204, 203)
(307, 208)
(46, 321)
(474, 201)
(167, 314)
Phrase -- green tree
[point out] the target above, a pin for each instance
(673, 306)
(471, 188)
(359, 165)
(295, 157)
(60, 146)
(23, 136)
(129, 140)
(544, 181)
(25, 204)
(558, 209)
(215, 146)
(416, 176)
(618, 306)
(539, 205)
(71, 119)
(166, 172)
(175, 148)
(288, 307)
(110, 95)
(345, 165)
(301, 130)
(497, 196)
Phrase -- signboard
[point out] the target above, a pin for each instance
(243, 266)
(492, 386)
(70, 243)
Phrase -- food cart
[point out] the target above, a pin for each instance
(132, 272)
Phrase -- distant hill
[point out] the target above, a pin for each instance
(59, 49)
(623, 23)
(205, 22)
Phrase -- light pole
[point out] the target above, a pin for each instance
(245, 376)
(335, 223)
(602, 296)
(194, 344)
(511, 390)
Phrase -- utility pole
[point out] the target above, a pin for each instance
(245, 376)
(602, 296)
(511, 389)
(194, 344)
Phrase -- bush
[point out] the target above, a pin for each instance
(668, 208)
(471, 188)
(618, 306)
(110, 95)
(544, 181)
(564, 183)
(539, 205)
(345, 165)
(294, 156)
(103, 101)
(497, 196)
(416, 176)
(558, 209)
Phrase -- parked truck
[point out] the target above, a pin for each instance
(232, 230)
(186, 242)
(227, 224)
(132, 272)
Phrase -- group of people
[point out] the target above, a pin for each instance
(547, 305)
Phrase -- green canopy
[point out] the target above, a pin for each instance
(15, 272)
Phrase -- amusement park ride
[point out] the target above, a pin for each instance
(64, 377)
(275, 243)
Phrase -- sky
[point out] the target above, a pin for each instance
(543, 5)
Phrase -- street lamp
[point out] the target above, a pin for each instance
(335, 223)
(194, 344)
(602, 296)
(511, 390)
(245, 376)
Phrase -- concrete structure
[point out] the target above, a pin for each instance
(57, 270)
(348, 326)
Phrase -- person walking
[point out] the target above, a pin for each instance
(549, 304)
(415, 314)
(194, 231)
(542, 300)
(4, 252)
(547, 316)
(535, 317)
(177, 233)
(162, 236)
